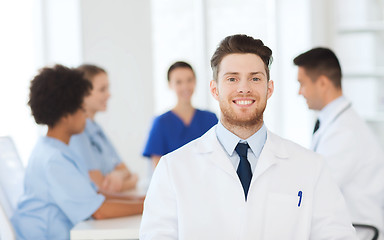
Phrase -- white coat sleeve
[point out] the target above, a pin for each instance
(160, 220)
(330, 218)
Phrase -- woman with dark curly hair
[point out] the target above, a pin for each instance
(58, 192)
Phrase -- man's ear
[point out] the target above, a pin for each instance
(324, 82)
(213, 89)
(271, 88)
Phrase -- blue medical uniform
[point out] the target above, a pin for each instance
(169, 132)
(57, 193)
(95, 148)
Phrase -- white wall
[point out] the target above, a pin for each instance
(116, 35)
(179, 33)
(19, 58)
(61, 35)
(293, 38)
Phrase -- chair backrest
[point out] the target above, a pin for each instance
(366, 232)
(6, 228)
(11, 176)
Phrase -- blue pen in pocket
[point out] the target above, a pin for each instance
(300, 195)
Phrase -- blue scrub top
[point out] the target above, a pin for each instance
(169, 132)
(95, 148)
(57, 193)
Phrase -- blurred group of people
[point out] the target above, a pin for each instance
(75, 172)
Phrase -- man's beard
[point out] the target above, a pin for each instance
(254, 119)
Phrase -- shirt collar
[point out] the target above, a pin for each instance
(56, 143)
(66, 152)
(229, 140)
(330, 109)
(92, 127)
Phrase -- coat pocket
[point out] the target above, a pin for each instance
(283, 217)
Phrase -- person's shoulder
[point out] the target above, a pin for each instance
(163, 117)
(46, 150)
(162, 122)
(49, 145)
(351, 128)
(206, 114)
(187, 148)
(348, 118)
(193, 146)
(296, 159)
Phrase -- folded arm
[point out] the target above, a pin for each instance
(120, 179)
(118, 208)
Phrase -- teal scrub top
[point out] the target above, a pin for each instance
(57, 193)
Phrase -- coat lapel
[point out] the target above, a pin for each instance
(273, 150)
(211, 150)
(325, 125)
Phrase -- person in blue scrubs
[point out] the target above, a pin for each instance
(57, 190)
(104, 164)
(183, 123)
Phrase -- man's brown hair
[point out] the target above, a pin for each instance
(320, 61)
(240, 43)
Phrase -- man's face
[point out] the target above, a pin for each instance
(242, 89)
(309, 90)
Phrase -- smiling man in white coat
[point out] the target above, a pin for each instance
(350, 149)
(239, 180)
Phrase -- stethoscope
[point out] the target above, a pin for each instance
(333, 120)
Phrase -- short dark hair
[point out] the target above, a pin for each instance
(320, 61)
(90, 71)
(56, 92)
(179, 64)
(241, 43)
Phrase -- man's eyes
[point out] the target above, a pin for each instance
(233, 79)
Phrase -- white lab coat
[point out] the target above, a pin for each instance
(195, 193)
(356, 162)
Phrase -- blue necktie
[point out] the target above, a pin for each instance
(244, 170)
(317, 125)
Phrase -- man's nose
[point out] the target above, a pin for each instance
(244, 86)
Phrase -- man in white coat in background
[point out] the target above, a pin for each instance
(239, 180)
(351, 151)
